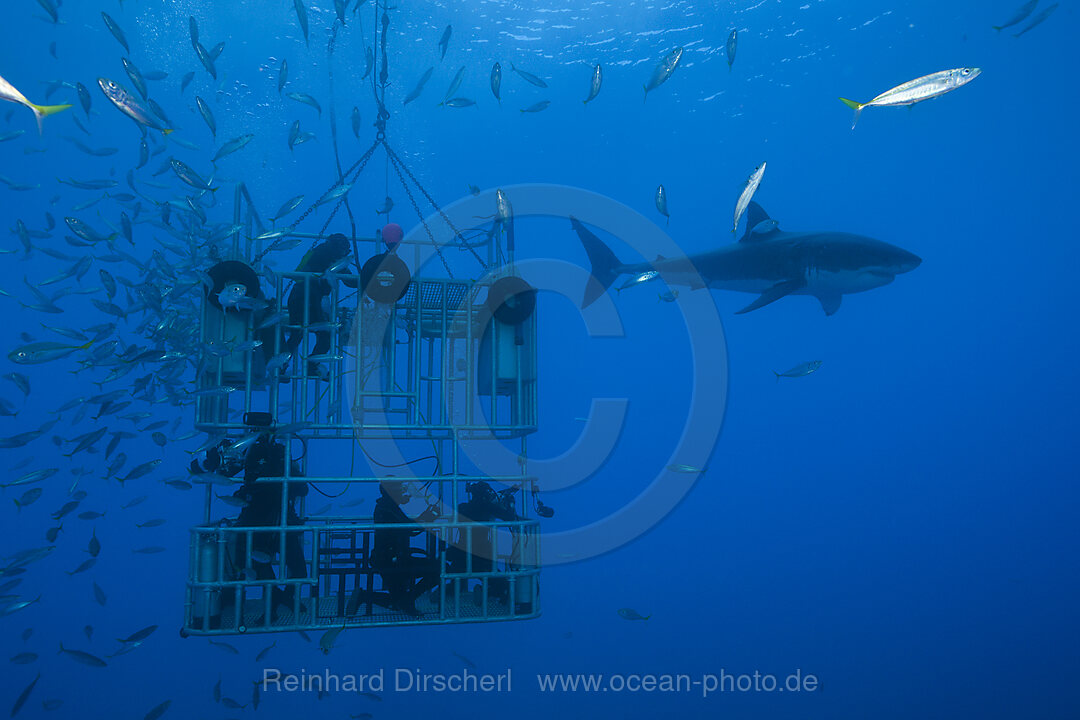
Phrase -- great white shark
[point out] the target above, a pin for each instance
(766, 261)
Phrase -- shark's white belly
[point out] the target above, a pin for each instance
(824, 283)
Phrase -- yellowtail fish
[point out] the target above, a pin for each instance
(917, 90)
(800, 370)
(9, 93)
(747, 194)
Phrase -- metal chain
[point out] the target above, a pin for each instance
(395, 162)
(446, 219)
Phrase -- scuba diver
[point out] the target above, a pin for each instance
(266, 458)
(406, 572)
(307, 295)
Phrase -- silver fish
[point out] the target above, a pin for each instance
(125, 103)
(9, 93)
(1021, 15)
(207, 115)
(747, 194)
(800, 370)
(663, 70)
(917, 90)
(529, 77)
(594, 86)
(1038, 19)
(661, 202)
(419, 86)
(496, 81)
(116, 31)
(732, 42)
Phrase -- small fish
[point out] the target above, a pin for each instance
(152, 550)
(24, 658)
(537, 107)
(339, 8)
(206, 60)
(28, 498)
(157, 711)
(462, 658)
(496, 81)
(186, 80)
(88, 631)
(1021, 15)
(138, 636)
(283, 75)
(748, 192)
(356, 122)
(265, 651)
(24, 696)
(594, 86)
(155, 75)
(415, 93)
(225, 646)
(661, 202)
(529, 77)
(639, 279)
(326, 642)
(287, 207)
(631, 614)
(82, 657)
(732, 42)
(50, 7)
(685, 469)
(189, 176)
(41, 352)
(127, 104)
(454, 85)
(301, 16)
(9, 93)
(135, 76)
(459, 102)
(84, 98)
(444, 41)
(99, 595)
(1038, 19)
(232, 146)
(663, 70)
(94, 545)
(800, 370)
(387, 206)
(207, 115)
(917, 90)
(369, 63)
(306, 100)
(116, 31)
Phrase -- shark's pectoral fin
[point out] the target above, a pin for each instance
(830, 303)
(773, 294)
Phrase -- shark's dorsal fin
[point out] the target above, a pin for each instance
(759, 225)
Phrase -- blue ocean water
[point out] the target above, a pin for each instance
(900, 524)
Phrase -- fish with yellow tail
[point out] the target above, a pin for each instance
(9, 93)
(917, 90)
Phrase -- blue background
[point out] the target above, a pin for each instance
(901, 524)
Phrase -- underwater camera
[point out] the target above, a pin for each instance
(485, 504)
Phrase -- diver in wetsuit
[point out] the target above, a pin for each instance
(307, 295)
(266, 458)
(406, 573)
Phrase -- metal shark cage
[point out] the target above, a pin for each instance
(429, 378)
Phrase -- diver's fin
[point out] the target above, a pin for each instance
(830, 303)
(773, 294)
(755, 215)
(605, 266)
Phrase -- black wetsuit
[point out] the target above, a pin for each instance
(406, 573)
(266, 458)
(307, 295)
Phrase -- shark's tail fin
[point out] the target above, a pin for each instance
(605, 266)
